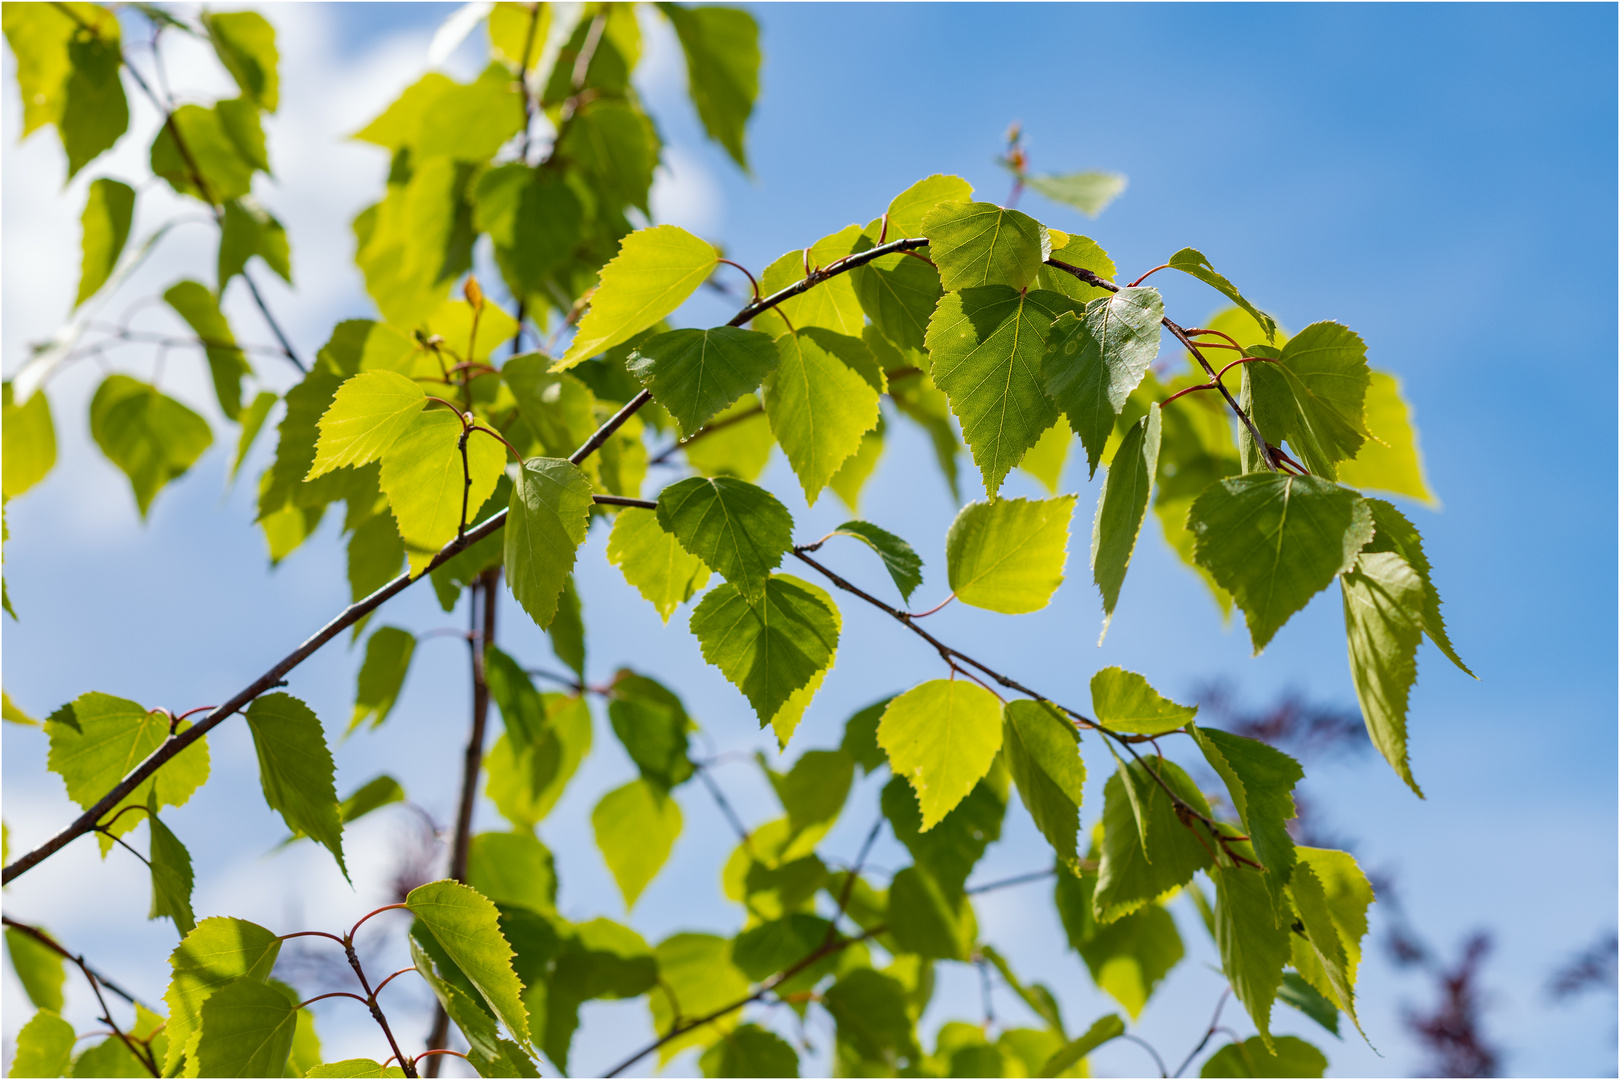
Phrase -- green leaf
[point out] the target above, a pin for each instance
(246, 44)
(695, 978)
(832, 304)
(1043, 755)
(171, 876)
(653, 560)
(99, 739)
(601, 960)
(860, 737)
(517, 34)
(1123, 701)
(527, 773)
(44, 1046)
(95, 113)
(873, 1019)
(247, 1030)
(750, 1050)
(1331, 897)
(722, 69)
(1253, 937)
(467, 927)
(986, 344)
(1104, 1030)
(38, 967)
(437, 116)
(355, 1067)
(220, 143)
(899, 559)
(1389, 460)
(1083, 253)
(1303, 996)
(898, 292)
(295, 769)
(252, 420)
(979, 243)
(200, 308)
(414, 243)
(1088, 192)
(489, 1054)
(653, 274)
(374, 794)
(1122, 507)
(1095, 358)
(907, 209)
(924, 920)
(941, 736)
(375, 555)
(513, 868)
(1036, 995)
(768, 646)
(1313, 395)
(567, 630)
(534, 217)
(1293, 1057)
(388, 658)
(1130, 873)
(550, 511)
(108, 210)
(1191, 261)
(151, 437)
(950, 849)
(739, 448)
(39, 37)
(636, 826)
(1046, 458)
(1383, 624)
(1393, 532)
(696, 373)
(813, 793)
(558, 408)
(369, 412)
(29, 450)
(740, 531)
(652, 724)
(216, 952)
(1007, 555)
(1128, 957)
(1261, 782)
(431, 482)
(922, 402)
(1275, 541)
(249, 230)
(12, 714)
(821, 399)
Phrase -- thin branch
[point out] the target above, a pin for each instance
(1144, 1044)
(371, 1000)
(1006, 883)
(725, 805)
(1214, 1025)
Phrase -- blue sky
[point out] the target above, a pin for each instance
(1440, 178)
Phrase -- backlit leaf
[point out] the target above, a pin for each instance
(171, 877)
(1275, 541)
(430, 482)
(1122, 507)
(978, 243)
(368, 413)
(695, 978)
(652, 724)
(1307, 999)
(1261, 782)
(1043, 755)
(246, 44)
(1007, 555)
(38, 967)
(722, 69)
(247, 1029)
(550, 511)
(871, 1010)
(1123, 701)
(1394, 533)
(1390, 459)
(1107, 1029)
(739, 530)
(437, 116)
(1045, 460)
(821, 399)
(252, 420)
(926, 921)
(151, 437)
(1253, 936)
(696, 373)
(902, 562)
(907, 209)
(214, 140)
(750, 1051)
(941, 736)
(1088, 192)
(1128, 957)
(388, 658)
(1331, 896)
(1313, 395)
(527, 774)
(216, 952)
(249, 230)
(951, 848)
(831, 305)
(738, 442)
(1131, 874)
(636, 826)
(771, 645)
(44, 1046)
(513, 868)
(467, 927)
(1094, 359)
(653, 274)
(29, 450)
(654, 561)
(295, 769)
(1191, 261)
(108, 211)
(897, 292)
(1292, 1057)
(227, 363)
(986, 344)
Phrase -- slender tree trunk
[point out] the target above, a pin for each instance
(484, 600)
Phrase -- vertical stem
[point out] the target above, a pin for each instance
(484, 597)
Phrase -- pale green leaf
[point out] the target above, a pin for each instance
(1191, 261)
(295, 769)
(247, 1029)
(518, 33)
(872, 1014)
(1295, 991)
(29, 443)
(151, 437)
(901, 561)
(1104, 1030)
(44, 1046)
(355, 1067)
(950, 849)
(986, 344)
(898, 293)
(821, 399)
(1383, 623)
(1078, 251)
(1128, 957)
(417, 241)
(1045, 460)
(368, 413)
(738, 442)
(832, 304)
(474, 334)
(526, 778)
(1393, 532)
(246, 44)
(250, 230)
(467, 927)
(374, 794)
(978, 243)
(695, 978)
(171, 876)
(437, 116)
(38, 967)
(252, 420)
(1260, 780)
(108, 210)
(1312, 394)
(653, 560)
(1007, 555)
(653, 274)
(1390, 459)
(13, 714)
(1333, 909)
(388, 658)
(722, 69)
(695, 373)
(1121, 509)
(925, 921)
(739, 530)
(1123, 701)
(941, 736)
(1094, 359)
(434, 484)
(1043, 755)
(217, 951)
(513, 868)
(95, 113)
(921, 401)
(1252, 934)
(636, 826)
(214, 141)
(1088, 192)
(771, 645)
(1275, 541)
(751, 1051)
(226, 361)
(860, 737)
(550, 511)
(907, 209)
(1131, 874)
(1292, 1057)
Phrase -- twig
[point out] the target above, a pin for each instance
(725, 806)
(1214, 1023)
